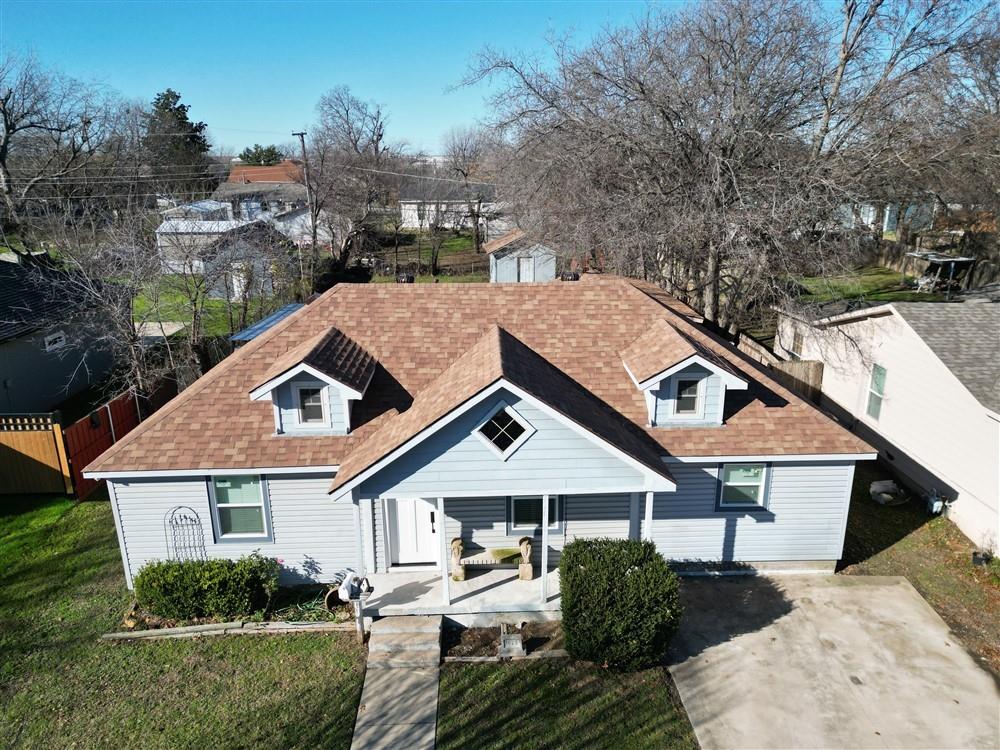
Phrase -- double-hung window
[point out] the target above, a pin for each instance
(526, 512)
(876, 391)
(240, 507)
(310, 405)
(743, 485)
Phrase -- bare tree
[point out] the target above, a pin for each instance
(712, 149)
(466, 153)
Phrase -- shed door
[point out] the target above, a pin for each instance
(526, 269)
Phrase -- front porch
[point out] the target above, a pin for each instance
(484, 591)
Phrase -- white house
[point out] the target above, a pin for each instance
(919, 381)
(384, 428)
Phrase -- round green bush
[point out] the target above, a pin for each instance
(188, 589)
(620, 602)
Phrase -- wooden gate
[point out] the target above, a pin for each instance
(89, 437)
(32, 455)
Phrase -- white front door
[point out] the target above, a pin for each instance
(526, 269)
(417, 527)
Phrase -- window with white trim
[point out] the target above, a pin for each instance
(239, 507)
(310, 405)
(526, 512)
(742, 485)
(795, 351)
(876, 392)
(55, 341)
(686, 393)
(504, 431)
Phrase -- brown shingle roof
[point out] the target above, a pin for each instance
(333, 354)
(503, 241)
(498, 355)
(662, 347)
(419, 331)
(288, 170)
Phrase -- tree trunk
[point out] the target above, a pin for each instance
(711, 293)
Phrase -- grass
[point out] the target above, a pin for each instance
(933, 555)
(60, 573)
(558, 704)
(872, 283)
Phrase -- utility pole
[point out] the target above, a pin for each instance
(301, 135)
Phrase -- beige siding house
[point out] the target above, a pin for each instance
(920, 382)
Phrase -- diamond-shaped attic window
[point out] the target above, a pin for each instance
(504, 431)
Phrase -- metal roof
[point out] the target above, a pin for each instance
(247, 334)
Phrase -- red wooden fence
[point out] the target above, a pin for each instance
(89, 437)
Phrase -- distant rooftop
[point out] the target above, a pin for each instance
(248, 334)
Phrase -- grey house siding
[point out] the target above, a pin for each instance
(503, 265)
(804, 520)
(284, 398)
(33, 380)
(554, 459)
(713, 398)
(312, 535)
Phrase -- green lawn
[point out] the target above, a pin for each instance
(933, 555)
(872, 283)
(60, 574)
(558, 703)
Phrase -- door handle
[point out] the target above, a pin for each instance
(432, 522)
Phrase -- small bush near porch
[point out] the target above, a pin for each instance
(620, 602)
(557, 703)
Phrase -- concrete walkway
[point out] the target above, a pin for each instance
(827, 662)
(398, 707)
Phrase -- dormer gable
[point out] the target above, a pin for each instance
(683, 381)
(313, 386)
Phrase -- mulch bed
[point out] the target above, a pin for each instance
(537, 636)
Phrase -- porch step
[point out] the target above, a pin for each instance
(408, 624)
(392, 659)
(404, 642)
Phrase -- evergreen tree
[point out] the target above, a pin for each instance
(177, 148)
(261, 156)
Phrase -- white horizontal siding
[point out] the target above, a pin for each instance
(804, 520)
(311, 535)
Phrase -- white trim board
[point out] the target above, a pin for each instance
(796, 458)
(731, 381)
(652, 479)
(263, 391)
(152, 474)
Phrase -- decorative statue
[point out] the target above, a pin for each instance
(524, 569)
(457, 568)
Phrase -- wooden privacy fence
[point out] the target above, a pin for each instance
(38, 455)
(89, 437)
(33, 455)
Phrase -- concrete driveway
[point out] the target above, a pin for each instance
(827, 662)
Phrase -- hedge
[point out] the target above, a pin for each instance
(620, 602)
(187, 589)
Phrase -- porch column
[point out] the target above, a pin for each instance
(633, 515)
(545, 548)
(359, 535)
(443, 534)
(647, 527)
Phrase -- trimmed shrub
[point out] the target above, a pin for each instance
(187, 589)
(620, 602)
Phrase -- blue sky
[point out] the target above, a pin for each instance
(254, 70)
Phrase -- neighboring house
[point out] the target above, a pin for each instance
(231, 254)
(296, 226)
(45, 357)
(516, 258)
(424, 203)
(380, 422)
(253, 191)
(922, 382)
(206, 210)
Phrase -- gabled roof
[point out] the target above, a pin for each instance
(499, 357)
(503, 241)
(329, 353)
(662, 348)
(199, 226)
(419, 330)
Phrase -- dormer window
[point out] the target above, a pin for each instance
(311, 405)
(686, 397)
(504, 431)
